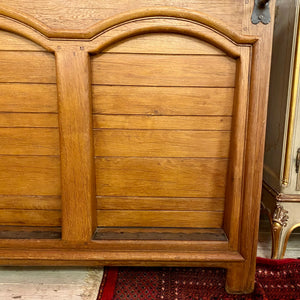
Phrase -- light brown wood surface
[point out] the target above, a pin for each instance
(133, 115)
(162, 100)
(163, 70)
(177, 177)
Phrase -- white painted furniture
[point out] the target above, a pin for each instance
(281, 192)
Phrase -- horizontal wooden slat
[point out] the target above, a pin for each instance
(11, 41)
(164, 43)
(163, 70)
(162, 100)
(20, 97)
(161, 143)
(29, 141)
(30, 202)
(161, 122)
(151, 203)
(28, 120)
(30, 217)
(30, 67)
(29, 232)
(204, 219)
(178, 234)
(161, 177)
(29, 175)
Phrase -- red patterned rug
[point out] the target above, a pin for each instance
(275, 280)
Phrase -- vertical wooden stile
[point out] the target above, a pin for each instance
(77, 159)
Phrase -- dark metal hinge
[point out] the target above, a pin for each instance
(261, 12)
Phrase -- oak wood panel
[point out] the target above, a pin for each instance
(29, 67)
(11, 41)
(127, 218)
(76, 145)
(30, 202)
(30, 217)
(180, 234)
(20, 97)
(163, 70)
(167, 177)
(163, 43)
(29, 232)
(161, 143)
(29, 175)
(80, 15)
(161, 122)
(28, 120)
(162, 100)
(156, 203)
(29, 141)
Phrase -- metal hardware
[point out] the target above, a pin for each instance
(261, 12)
(298, 161)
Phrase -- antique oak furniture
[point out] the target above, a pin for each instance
(132, 132)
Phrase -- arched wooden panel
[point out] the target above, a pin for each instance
(120, 80)
(29, 135)
(140, 156)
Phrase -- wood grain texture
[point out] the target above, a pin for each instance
(162, 100)
(29, 141)
(182, 234)
(160, 218)
(163, 70)
(156, 203)
(11, 41)
(75, 123)
(185, 78)
(127, 218)
(161, 122)
(29, 175)
(30, 217)
(27, 67)
(80, 15)
(21, 120)
(163, 43)
(168, 177)
(30, 202)
(18, 97)
(161, 143)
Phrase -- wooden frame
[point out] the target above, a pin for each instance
(72, 50)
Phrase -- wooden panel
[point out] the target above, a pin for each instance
(173, 177)
(164, 44)
(30, 202)
(127, 218)
(162, 100)
(18, 97)
(162, 122)
(25, 175)
(30, 232)
(11, 41)
(82, 14)
(163, 70)
(34, 67)
(29, 141)
(30, 217)
(151, 203)
(161, 143)
(77, 149)
(28, 120)
(178, 234)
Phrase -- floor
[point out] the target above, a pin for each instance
(28, 283)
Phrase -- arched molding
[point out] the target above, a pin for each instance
(33, 29)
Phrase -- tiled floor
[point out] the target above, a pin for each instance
(40, 283)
